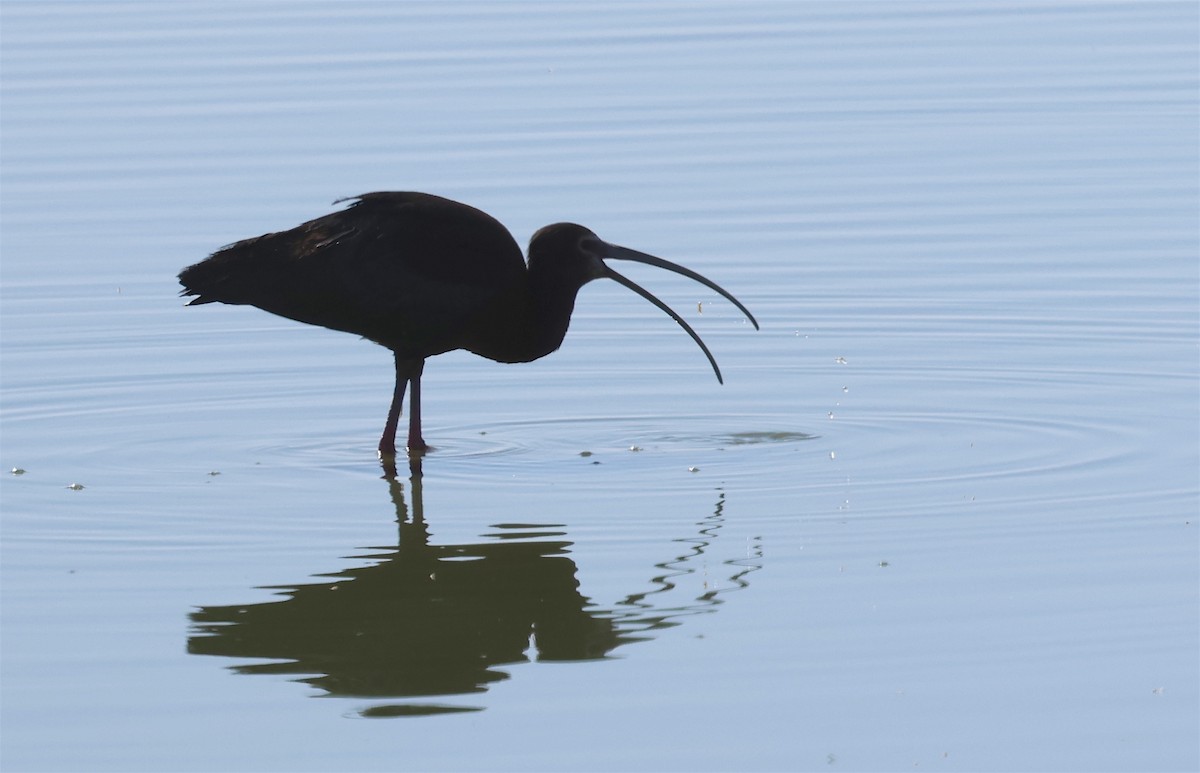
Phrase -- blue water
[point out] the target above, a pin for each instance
(942, 513)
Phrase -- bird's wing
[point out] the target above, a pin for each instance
(407, 270)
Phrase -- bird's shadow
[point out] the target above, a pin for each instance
(425, 621)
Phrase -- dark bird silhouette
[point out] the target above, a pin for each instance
(423, 275)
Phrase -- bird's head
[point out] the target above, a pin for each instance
(575, 256)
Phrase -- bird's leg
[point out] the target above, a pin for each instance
(416, 444)
(387, 443)
(407, 371)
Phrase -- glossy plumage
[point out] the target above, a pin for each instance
(422, 275)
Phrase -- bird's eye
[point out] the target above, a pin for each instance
(590, 244)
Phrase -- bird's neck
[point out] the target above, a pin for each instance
(526, 324)
(550, 317)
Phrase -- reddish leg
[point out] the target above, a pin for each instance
(387, 443)
(416, 444)
(406, 371)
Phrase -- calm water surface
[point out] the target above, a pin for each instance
(942, 514)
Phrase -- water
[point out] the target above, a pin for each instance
(942, 513)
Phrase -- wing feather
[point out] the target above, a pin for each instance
(407, 270)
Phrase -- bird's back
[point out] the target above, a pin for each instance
(410, 271)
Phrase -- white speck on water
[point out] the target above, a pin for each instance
(76, 487)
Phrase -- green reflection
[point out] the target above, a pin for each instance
(755, 438)
(413, 710)
(437, 620)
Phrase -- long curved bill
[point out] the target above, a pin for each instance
(624, 253)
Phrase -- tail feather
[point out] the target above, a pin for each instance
(233, 274)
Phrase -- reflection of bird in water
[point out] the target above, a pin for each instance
(434, 620)
(423, 275)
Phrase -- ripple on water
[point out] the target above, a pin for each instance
(569, 448)
(877, 448)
